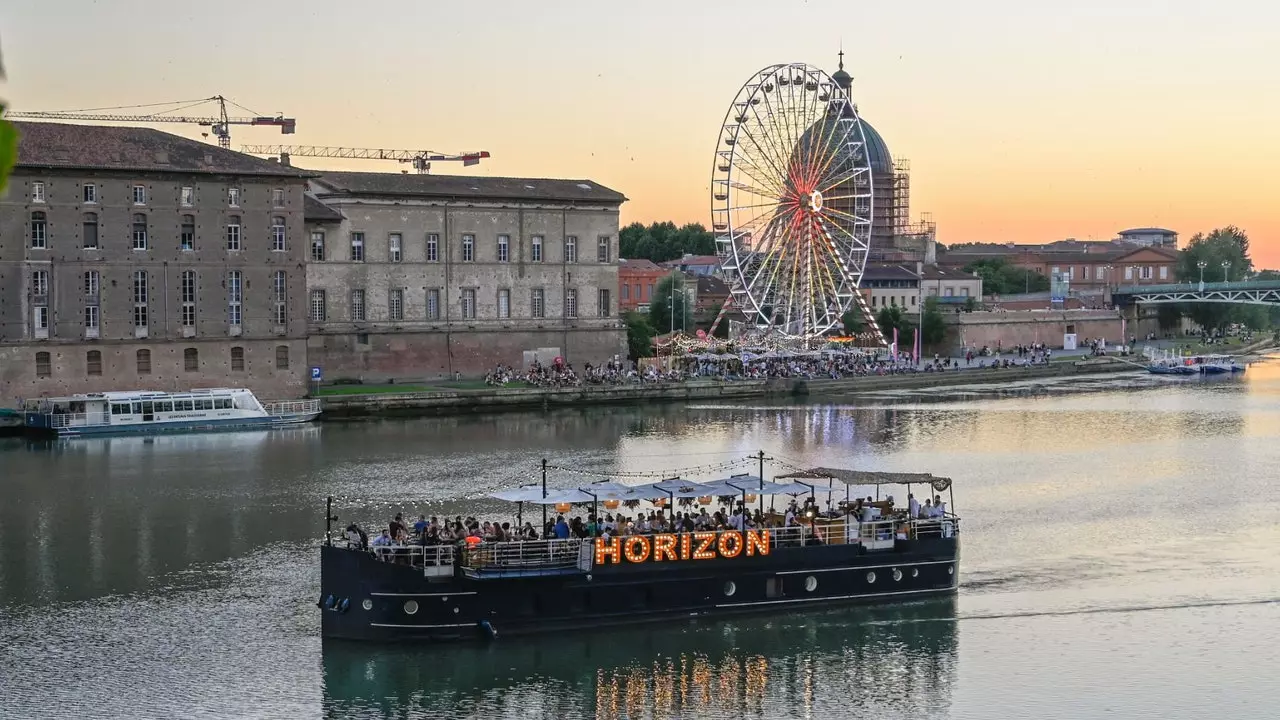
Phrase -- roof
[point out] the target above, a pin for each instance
(1147, 231)
(877, 149)
(462, 186)
(99, 147)
(933, 272)
(888, 272)
(867, 477)
(640, 266)
(712, 285)
(693, 260)
(315, 211)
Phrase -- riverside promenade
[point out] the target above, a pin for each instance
(457, 402)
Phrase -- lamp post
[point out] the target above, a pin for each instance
(1226, 270)
(1202, 265)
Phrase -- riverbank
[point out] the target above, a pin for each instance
(457, 402)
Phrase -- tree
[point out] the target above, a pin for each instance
(1001, 278)
(8, 142)
(639, 336)
(852, 321)
(891, 317)
(662, 241)
(670, 307)
(933, 328)
(1224, 253)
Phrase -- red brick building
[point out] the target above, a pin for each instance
(636, 281)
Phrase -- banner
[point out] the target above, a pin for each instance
(894, 349)
(916, 348)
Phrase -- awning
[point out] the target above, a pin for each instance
(869, 477)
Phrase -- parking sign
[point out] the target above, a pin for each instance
(316, 375)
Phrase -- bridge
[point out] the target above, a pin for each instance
(1263, 292)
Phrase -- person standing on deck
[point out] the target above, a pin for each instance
(913, 506)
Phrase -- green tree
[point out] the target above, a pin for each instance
(662, 241)
(891, 317)
(639, 335)
(1001, 278)
(8, 142)
(1224, 254)
(670, 307)
(933, 328)
(852, 321)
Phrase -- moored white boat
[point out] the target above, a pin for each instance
(149, 412)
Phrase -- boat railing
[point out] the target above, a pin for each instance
(292, 407)
(516, 555)
(59, 420)
(435, 560)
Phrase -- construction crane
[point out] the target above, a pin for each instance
(421, 159)
(220, 126)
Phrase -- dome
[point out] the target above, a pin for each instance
(877, 150)
(842, 78)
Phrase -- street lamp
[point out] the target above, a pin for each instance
(1226, 268)
(1202, 265)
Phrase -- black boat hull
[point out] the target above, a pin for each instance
(363, 598)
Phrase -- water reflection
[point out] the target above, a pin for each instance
(870, 662)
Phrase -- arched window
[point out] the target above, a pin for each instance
(282, 357)
(93, 362)
(237, 359)
(139, 231)
(39, 231)
(144, 362)
(44, 368)
(91, 230)
(191, 360)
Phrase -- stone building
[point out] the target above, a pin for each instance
(135, 259)
(430, 276)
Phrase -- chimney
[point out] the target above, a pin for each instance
(919, 269)
(284, 159)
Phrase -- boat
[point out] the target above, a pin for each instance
(1170, 368)
(1217, 364)
(858, 551)
(150, 412)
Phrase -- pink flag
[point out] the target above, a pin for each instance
(895, 344)
(915, 345)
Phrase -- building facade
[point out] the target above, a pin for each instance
(636, 282)
(1151, 237)
(133, 259)
(430, 276)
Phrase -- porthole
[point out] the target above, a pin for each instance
(810, 583)
(951, 569)
(915, 572)
(410, 607)
(871, 577)
(455, 611)
(730, 588)
(897, 575)
(367, 604)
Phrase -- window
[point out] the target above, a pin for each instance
(433, 304)
(280, 297)
(188, 298)
(468, 248)
(37, 192)
(187, 233)
(91, 320)
(277, 197)
(536, 248)
(1164, 272)
(964, 292)
(649, 293)
(395, 304)
(1146, 272)
(93, 362)
(277, 234)
(537, 303)
(282, 357)
(504, 303)
(357, 247)
(603, 302)
(43, 367)
(571, 303)
(233, 197)
(571, 249)
(140, 299)
(1100, 272)
(1128, 272)
(90, 193)
(393, 247)
(39, 229)
(191, 360)
(318, 306)
(237, 359)
(504, 248)
(40, 320)
(626, 292)
(317, 246)
(433, 247)
(187, 197)
(1054, 271)
(235, 298)
(468, 303)
(233, 233)
(139, 232)
(602, 249)
(139, 194)
(144, 362)
(40, 284)
(91, 231)
(357, 306)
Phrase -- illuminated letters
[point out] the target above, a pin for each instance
(726, 540)
(664, 548)
(757, 542)
(705, 540)
(611, 548)
(636, 548)
(686, 542)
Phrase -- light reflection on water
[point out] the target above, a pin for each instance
(1118, 559)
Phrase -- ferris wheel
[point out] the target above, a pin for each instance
(791, 203)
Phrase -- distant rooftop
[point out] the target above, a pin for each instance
(640, 265)
(462, 186)
(101, 147)
(1147, 231)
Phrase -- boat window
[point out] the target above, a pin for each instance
(165, 406)
(206, 404)
(119, 408)
(137, 408)
(189, 405)
(223, 404)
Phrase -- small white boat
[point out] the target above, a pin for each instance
(147, 412)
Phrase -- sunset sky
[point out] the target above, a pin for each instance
(1023, 121)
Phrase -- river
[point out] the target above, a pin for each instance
(1119, 560)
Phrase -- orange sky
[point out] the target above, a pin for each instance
(1023, 122)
